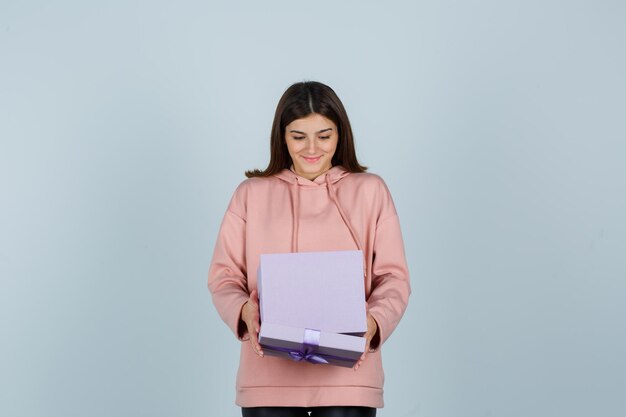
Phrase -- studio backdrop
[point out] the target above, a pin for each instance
(498, 126)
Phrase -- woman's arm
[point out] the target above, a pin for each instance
(227, 273)
(390, 292)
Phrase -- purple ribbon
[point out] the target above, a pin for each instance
(307, 352)
(310, 344)
(306, 355)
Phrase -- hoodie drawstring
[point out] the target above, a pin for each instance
(295, 198)
(333, 196)
(294, 190)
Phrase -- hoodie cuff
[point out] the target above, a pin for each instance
(375, 342)
(242, 328)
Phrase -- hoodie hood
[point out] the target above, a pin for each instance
(328, 179)
(333, 175)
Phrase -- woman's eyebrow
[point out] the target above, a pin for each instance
(302, 133)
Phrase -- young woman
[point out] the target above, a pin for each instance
(313, 196)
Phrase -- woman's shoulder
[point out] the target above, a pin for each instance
(374, 190)
(369, 177)
(254, 184)
(247, 191)
(367, 180)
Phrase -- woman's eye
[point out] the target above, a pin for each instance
(298, 137)
(324, 137)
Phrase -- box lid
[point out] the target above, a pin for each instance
(314, 290)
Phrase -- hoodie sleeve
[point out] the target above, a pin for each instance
(390, 292)
(227, 273)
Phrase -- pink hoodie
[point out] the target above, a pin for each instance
(338, 210)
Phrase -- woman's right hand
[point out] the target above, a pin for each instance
(251, 317)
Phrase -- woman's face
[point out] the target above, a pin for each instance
(311, 142)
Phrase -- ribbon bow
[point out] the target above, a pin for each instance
(306, 355)
(308, 351)
(310, 343)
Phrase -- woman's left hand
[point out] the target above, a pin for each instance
(372, 328)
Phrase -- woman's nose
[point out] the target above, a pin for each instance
(312, 146)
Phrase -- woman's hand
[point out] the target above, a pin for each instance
(372, 328)
(250, 316)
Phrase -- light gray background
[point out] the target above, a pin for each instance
(499, 127)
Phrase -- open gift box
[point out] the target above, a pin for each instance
(312, 306)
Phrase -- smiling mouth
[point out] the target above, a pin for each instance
(312, 159)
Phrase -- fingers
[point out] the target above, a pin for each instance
(254, 296)
(368, 338)
(369, 335)
(253, 330)
(253, 322)
(254, 342)
(359, 362)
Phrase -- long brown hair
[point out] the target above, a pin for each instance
(298, 101)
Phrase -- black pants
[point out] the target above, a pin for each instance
(303, 411)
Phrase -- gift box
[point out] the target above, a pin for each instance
(312, 306)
